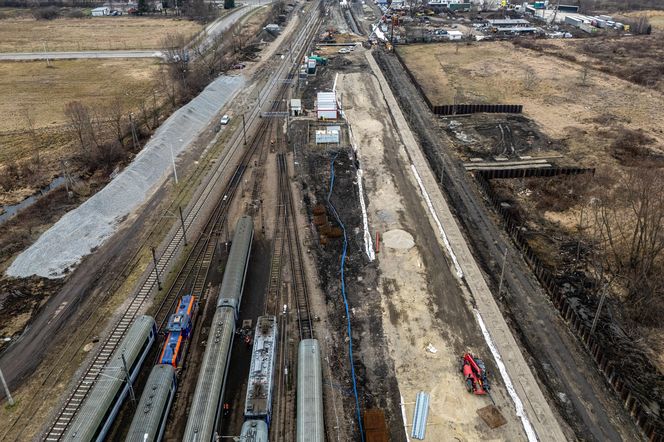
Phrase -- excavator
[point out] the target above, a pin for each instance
(474, 372)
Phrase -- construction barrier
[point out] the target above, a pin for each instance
(459, 109)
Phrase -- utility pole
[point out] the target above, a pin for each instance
(184, 230)
(502, 273)
(48, 63)
(10, 400)
(131, 387)
(244, 129)
(156, 269)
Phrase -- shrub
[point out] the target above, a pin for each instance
(48, 13)
(75, 13)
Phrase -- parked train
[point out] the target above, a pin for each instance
(149, 420)
(254, 430)
(310, 427)
(260, 383)
(179, 329)
(101, 406)
(205, 409)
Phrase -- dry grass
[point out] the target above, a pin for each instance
(43, 92)
(102, 33)
(562, 106)
(656, 18)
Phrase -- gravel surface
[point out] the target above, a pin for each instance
(84, 229)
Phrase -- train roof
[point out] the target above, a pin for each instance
(310, 427)
(254, 431)
(259, 384)
(155, 398)
(211, 378)
(230, 293)
(102, 396)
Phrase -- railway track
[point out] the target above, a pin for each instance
(193, 275)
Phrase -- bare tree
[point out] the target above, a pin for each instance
(629, 225)
(529, 78)
(81, 123)
(177, 57)
(116, 116)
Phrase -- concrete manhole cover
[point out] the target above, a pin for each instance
(398, 239)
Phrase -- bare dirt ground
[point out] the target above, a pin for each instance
(623, 133)
(101, 33)
(414, 314)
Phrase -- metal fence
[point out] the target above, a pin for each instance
(458, 109)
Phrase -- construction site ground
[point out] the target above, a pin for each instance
(591, 131)
(426, 320)
(548, 80)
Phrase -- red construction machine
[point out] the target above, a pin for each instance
(474, 371)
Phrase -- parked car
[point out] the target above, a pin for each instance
(239, 66)
(225, 119)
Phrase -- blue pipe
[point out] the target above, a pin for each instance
(343, 293)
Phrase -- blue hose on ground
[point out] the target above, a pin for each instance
(343, 293)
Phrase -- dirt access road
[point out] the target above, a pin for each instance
(571, 380)
(422, 302)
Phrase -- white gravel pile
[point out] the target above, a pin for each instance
(86, 228)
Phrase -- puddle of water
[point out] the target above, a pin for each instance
(13, 209)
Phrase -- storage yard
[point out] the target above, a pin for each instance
(366, 240)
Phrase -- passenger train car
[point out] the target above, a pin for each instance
(100, 407)
(310, 426)
(260, 384)
(179, 329)
(151, 413)
(205, 409)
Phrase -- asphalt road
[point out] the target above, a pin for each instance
(212, 31)
(26, 56)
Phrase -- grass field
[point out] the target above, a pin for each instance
(41, 92)
(102, 33)
(44, 91)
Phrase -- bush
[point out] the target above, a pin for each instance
(75, 13)
(48, 13)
